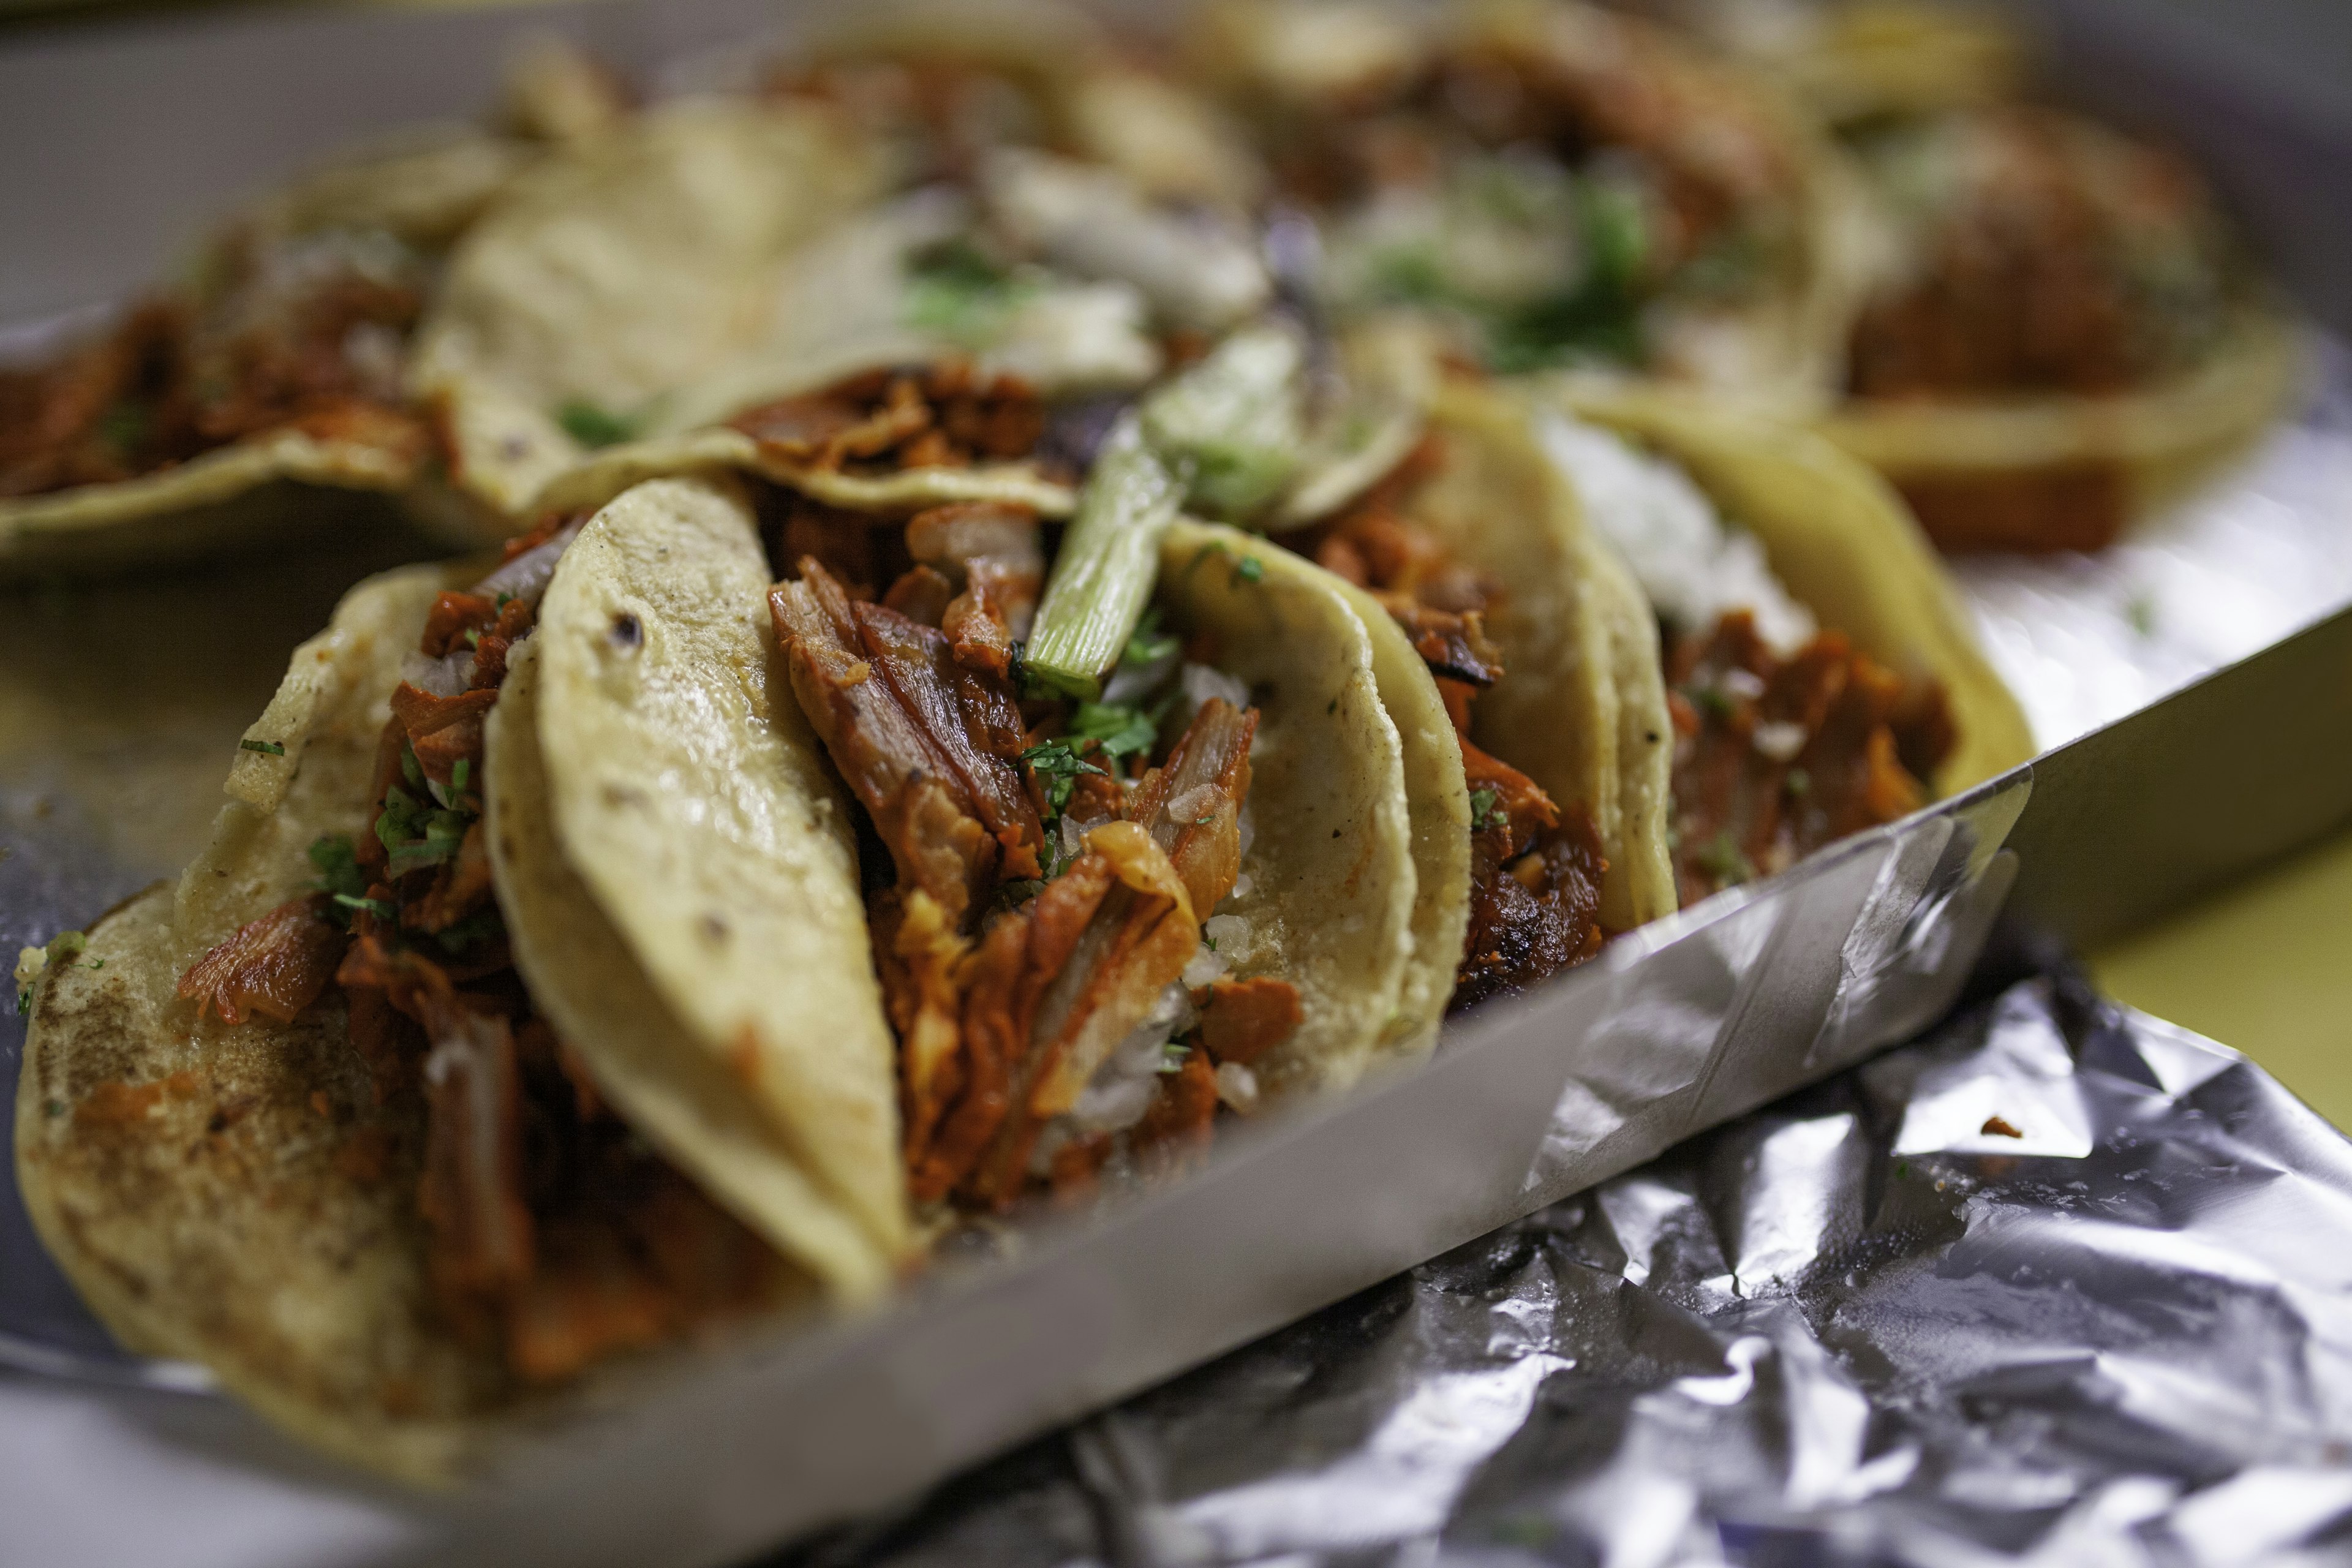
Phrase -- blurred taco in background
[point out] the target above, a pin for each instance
(1559, 184)
(211, 412)
(1853, 61)
(613, 275)
(2064, 333)
(1053, 279)
(387, 1111)
(1821, 673)
(941, 84)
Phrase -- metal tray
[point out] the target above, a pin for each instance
(107, 766)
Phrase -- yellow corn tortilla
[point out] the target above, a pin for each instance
(1333, 880)
(717, 449)
(619, 272)
(690, 799)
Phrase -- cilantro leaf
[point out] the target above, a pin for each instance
(1057, 768)
(1149, 644)
(593, 427)
(1119, 731)
(338, 866)
(1722, 859)
(1486, 810)
(266, 748)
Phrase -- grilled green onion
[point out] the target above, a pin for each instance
(1234, 424)
(1103, 577)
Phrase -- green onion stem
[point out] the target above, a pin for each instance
(1103, 575)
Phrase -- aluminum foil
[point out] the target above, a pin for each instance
(2258, 552)
(2062, 1283)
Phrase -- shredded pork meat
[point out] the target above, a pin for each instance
(166, 384)
(1775, 757)
(942, 416)
(1036, 921)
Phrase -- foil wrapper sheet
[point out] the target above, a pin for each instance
(2060, 1283)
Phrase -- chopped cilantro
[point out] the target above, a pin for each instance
(958, 291)
(473, 637)
(483, 922)
(1712, 700)
(123, 428)
(503, 600)
(25, 1010)
(2140, 613)
(415, 833)
(54, 1107)
(1249, 568)
(1722, 859)
(460, 774)
(593, 427)
(95, 963)
(1799, 783)
(1486, 810)
(1057, 768)
(1171, 1057)
(410, 768)
(266, 748)
(1210, 942)
(1149, 644)
(337, 865)
(381, 909)
(1119, 730)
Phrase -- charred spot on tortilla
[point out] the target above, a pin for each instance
(626, 632)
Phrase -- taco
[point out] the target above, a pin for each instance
(1140, 837)
(941, 84)
(1558, 185)
(382, 1112)
(214, 411)
(1650, 706)
(1822, 676)
(2065, 331)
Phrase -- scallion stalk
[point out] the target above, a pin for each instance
(1110, 559)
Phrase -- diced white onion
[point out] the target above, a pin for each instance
(1779, 739)
(1237, 1087)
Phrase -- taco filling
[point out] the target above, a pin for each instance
(1046, 933)
(555, 1232)
(1786, 737)
(307, 336)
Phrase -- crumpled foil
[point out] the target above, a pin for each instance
(2062, 1283)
